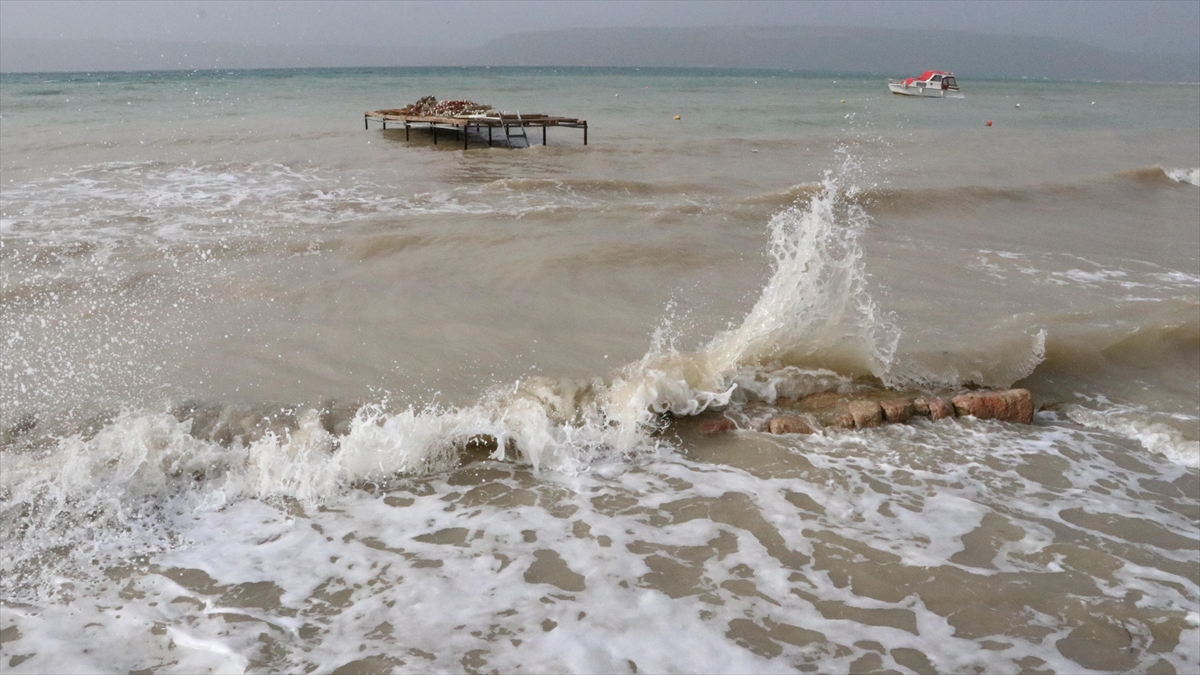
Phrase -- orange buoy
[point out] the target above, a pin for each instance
(989, 123)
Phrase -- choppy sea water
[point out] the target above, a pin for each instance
(251, 349)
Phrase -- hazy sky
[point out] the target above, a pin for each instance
(1155, 26)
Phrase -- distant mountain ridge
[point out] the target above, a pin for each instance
(817, 49)
(856, 50)
(33, 56)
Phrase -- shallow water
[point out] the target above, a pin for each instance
(252, 352)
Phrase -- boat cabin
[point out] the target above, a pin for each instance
(934, 79)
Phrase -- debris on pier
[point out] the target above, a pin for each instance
(428, 106)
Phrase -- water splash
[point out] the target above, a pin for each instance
(1184, 175)
(814, 316)
(815, 310)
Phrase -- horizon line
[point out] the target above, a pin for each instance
(839, 73)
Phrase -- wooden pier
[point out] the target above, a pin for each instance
(505, 123)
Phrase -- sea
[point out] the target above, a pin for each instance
(282, 393)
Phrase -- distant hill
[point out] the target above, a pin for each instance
(35, 56)
(851, 50)
(845, 50)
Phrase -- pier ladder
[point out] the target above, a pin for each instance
(509, 135)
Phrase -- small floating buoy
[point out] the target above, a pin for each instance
(1093, 103)
(754, 150)
(988, 123)
(677, 117)
(1018, 105)
(843, 100)
(616, 94)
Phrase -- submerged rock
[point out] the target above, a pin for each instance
(789, 424)
(835, 411)
(866, 408)
(829, 408)
(717, 426)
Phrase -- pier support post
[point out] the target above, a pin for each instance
(434, 133)
(585, 133)
(489, 135)
(366, 122)
(466, 135)
(543, 134)
(406, 131)
(384, 125)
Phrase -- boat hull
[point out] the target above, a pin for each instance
(923, 92)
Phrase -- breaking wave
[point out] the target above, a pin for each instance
(1184, 175)
(159, 201)
(1154, 432)
(814, 325)
(883, 199)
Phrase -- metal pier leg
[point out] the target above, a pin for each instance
(489, 135)
(585, 133)
(466, 135)
(366, 122)
(434, 133)
(385, 125)
(406, 131)
(543, 134)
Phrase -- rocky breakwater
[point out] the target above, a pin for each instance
(838, 411)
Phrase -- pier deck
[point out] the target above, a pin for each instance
(463, 124)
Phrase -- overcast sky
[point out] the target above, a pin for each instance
(1144, 26)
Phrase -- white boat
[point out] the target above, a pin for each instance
(931, 84)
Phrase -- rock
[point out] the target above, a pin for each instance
(788, 424)
(867, 414)
(840, 422)
(829, 408)
(482, 448)
(897, 410)
(717, 426)
(868, 408)
(822, 400)
(935, 407)
(1013, 405)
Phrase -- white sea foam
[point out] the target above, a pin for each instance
(1139, 424)
(156, 201)
(1184, 175)
(380, 574)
